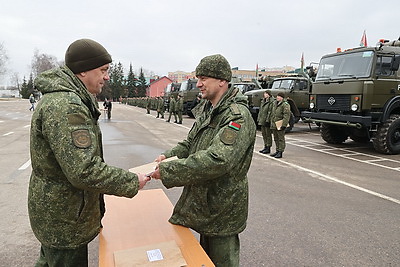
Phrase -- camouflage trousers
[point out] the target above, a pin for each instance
(170, 114)
(223, 250)
(51, 257)
(267, 135)
(179, 116)
(279, 138)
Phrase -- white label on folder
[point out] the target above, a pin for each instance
(154, 255)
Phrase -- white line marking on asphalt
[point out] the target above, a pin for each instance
(26, 126)
(330, 178)
(1, 121)
(26, 165)
(8, 133)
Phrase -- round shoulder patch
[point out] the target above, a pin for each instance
(228, 136)
(81, 138)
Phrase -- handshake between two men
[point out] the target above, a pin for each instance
(148, 171)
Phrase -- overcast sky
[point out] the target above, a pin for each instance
(171, 35)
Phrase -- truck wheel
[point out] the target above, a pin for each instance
(387, 138)
(292, 121)
(333, 134)
(360, 136)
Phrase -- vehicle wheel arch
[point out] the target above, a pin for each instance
(392, 106)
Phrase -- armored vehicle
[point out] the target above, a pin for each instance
(296, 89)
(356, 94)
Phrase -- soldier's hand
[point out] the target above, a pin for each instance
(143, 179)
(160, 158)
(156, 174)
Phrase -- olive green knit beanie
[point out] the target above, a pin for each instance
(215, 66)
(85, 54)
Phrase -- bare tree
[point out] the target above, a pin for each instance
(42, 62)
(3, 60)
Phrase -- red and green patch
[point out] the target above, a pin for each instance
(234, 125)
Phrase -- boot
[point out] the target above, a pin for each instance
(266, 150)
(167, 120)
(278, 155)
(274, 154)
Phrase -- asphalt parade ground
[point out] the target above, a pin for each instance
(320, 205)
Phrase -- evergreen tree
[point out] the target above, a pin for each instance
(141, 89)
(24, 92)
(131, 82)
(117, 81)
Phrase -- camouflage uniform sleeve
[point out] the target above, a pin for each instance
(75, 142)
(223, 157)
(286, 113)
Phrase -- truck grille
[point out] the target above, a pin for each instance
(333, 102)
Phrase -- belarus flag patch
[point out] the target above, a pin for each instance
(234, 125)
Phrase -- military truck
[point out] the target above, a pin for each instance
(356, 94)
(189, 91)
(172, 89)
(296, 88)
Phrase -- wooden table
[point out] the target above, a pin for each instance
(141, 221)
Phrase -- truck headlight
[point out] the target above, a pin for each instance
(312, 105)
(354, 107)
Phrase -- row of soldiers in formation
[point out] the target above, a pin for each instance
(173, 106)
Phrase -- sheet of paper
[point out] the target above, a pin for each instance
(149, 167)
(154, 255)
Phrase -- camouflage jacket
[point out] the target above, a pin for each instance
(280, 111)
(179, 105)
(172, 104)
(212, 166)
(68, 171)
(264, 114)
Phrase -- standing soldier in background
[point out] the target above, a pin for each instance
(160, 107)
(279, 121)
(179, 108)
(69, 175)
(264, 120)
(148, 104)
(172, 104)
(213, 164)
(32, 100)
(108, 106)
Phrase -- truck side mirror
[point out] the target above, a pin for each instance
(395, 63)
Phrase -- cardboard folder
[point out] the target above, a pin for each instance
(279, 124)
(171, 256)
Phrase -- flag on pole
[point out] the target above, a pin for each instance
(302, 62)
(257, 71)
(363, 41)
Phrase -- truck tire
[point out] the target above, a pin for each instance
(292, 121)
(333, 134)
(387, 138)
(360, 136)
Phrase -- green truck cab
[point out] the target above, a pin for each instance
(356, 94)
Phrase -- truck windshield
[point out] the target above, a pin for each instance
(282, 84)
(184, 86)
(351, 65)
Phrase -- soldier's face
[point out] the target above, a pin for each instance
(95, 79)
(210, 88)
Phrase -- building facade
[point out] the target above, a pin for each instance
(157, 87)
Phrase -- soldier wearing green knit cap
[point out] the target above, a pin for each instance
(212, 164)
(69, 175)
